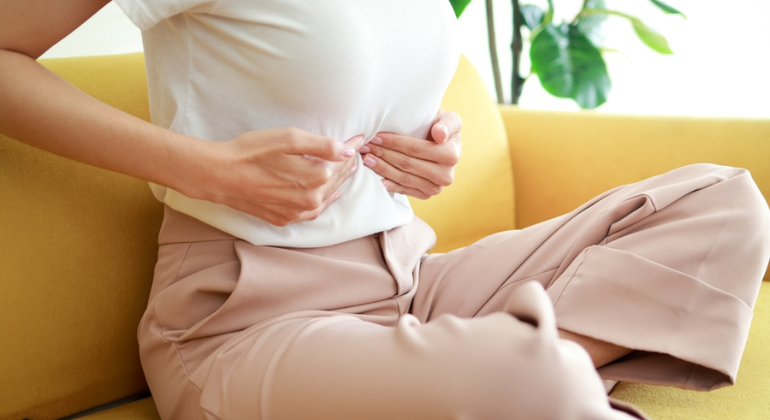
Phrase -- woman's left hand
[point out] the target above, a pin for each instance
(420, 168)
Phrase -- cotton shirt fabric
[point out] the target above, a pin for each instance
(217, 69)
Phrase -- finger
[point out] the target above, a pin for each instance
(355, 142)
(432, 171)
(303, 143)
(400, 189)
(279, 214)
(397, 176)
(446, 154)
(313, 214)
(448, 124)
(341, 176)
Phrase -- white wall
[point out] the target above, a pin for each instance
(107, 32)
(720, 67)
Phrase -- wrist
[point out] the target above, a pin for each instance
(187, 165)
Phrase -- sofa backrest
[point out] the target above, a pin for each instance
(78, 246)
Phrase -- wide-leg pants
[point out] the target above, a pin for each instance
(376, 329)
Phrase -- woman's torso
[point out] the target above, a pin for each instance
(337, 68)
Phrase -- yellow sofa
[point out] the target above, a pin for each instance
(77, 244)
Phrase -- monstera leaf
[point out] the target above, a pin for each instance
(569, 65)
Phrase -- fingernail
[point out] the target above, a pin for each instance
(364, 149)
(353, 169)
(376, 140)
(387, 184)
(370, 162)
(336, 196)
(349, 152)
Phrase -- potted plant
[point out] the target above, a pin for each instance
(566, 56)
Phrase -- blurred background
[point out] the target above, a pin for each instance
(720, 66)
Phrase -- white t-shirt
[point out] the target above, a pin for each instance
(336, 68)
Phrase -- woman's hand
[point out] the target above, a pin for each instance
(417, 167)
(282, 176)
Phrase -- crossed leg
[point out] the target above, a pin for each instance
(669, 267)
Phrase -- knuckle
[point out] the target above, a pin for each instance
(326, 174)
(328, 146)
(447, 179)
(406, 164)
(316, 182)
(405, 179)
(320, 178)
(414, 150)
(312, 215)
(454, 158)
(293, 216)
(280, 222)
(293, 134)
(449, 160)
(312, 202)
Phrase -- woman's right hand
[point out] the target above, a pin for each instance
(282, 176)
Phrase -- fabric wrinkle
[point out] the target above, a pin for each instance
(345, 344)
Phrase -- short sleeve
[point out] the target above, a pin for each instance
(146, 13)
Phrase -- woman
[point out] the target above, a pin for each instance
(292, 279)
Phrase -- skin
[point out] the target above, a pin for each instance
(281, 176)
(416, 168)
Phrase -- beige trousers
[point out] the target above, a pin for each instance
(375, 329)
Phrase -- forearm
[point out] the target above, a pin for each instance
(42, 110)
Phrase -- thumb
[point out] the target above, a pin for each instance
(439, 132)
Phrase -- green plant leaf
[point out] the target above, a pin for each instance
(570, 66)
(592, 25)
(549, 13)
(667, 9)
(653, 39)
(532, 15)
(459, 6)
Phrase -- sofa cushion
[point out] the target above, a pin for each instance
(483, 188)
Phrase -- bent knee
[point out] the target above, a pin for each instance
(500, 367)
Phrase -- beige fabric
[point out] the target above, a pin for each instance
(374, 329)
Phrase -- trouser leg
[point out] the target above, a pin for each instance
(324, 366)
(669, 266)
